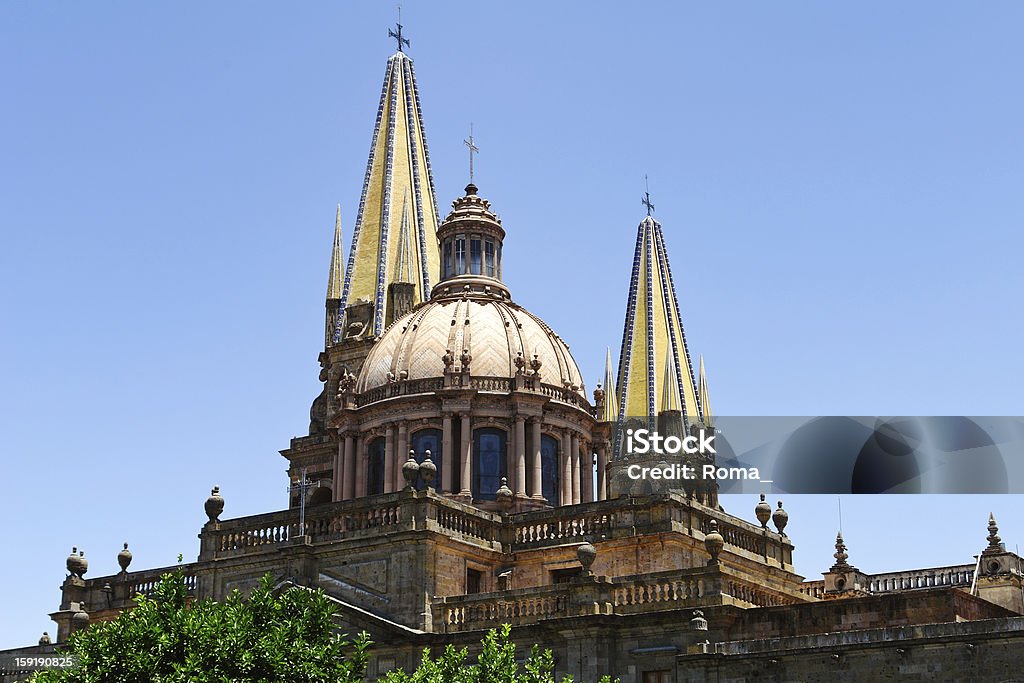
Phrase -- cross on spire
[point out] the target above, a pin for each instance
(398, 36)
(473, 149)
(646, 201)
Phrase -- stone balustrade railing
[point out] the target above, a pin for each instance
(330, 522)
(622, 517)
(814, 589)
(958, 575)
(670, 590)
(517, 607)
(119, 590)
(480, 383)
(663, 590)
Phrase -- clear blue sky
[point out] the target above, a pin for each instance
(840, 188)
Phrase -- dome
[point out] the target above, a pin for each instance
(472, 316)
(492, 328)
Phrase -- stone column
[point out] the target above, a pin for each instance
(566, 463)
(602, 464)
(389, 460)
(520, 432)
(339, 472)
(537, 486)
(467, 455)
(401, 455)
(586, 473)
(349, 481)
(577, 470)
(360, 467)
(448, 464)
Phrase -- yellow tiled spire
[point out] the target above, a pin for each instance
(610, 397)
(702, 394)
(336, 277)
(653, 342)
(398, 168)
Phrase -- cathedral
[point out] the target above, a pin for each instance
(459, 474)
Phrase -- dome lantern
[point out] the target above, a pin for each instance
(471, 238)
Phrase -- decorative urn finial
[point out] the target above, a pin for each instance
(994, 541)
(428, 470)
(124, 558)
(840, 554)
(411, 470)
(586, 554)
(45, 639)
(780, 518)
(763, 511)
(81, 618)
(504, 496)
(714, 542)
(73, 563)
(214, 504)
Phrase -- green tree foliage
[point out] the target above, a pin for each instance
(284, 638)
(495, 664)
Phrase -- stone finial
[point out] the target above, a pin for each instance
(45, 639)
(214, 504)
(504, 496)
(74, 563)
(520, 362)
(763, 512)
(713, 542)
(83, 564)
(428, 470)
(599, 396)
(840, 555)
(698, 622)
(780, 518)
(345, 384)
(411, 470)
(466, 359)
(586, 554)
(536, 364)
(995, 543)
(124, 558)
(80, 619)
(448, 359)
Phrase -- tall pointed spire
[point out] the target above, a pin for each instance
(703, 397)
(398, 170)
(653, 341)
(335, 282)
(610, 403)
(336, 277)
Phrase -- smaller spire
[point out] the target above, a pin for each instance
(702, 394)
(404, 269)
(611, 408)
(669, 388)
(336, 277)
(398, 36)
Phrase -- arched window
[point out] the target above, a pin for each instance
(375, 467)
(428, 440)
(489, 462)
(549, 469)
(319, 496)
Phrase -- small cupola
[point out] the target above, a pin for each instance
(471, 238)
